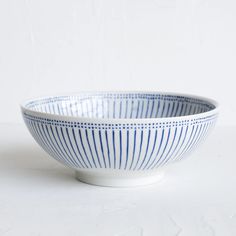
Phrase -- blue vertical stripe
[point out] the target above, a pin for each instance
(126, 109)
(146, 115)
(108, 151)
(142, 109)
(182, 143)
(78, 149)
(72, 147)
(120, 109)
(127, 149)
(166, 156)
(120, 138)
(140, 149)
(151, 114)
(90, 149)
(134, 148)
(158, 160)
(138, 109)
(177, 144)
(144, 159)
(159, 148)
(101, 146)
(95, 147)
(153, 147)
(114, 147)
(68, 152)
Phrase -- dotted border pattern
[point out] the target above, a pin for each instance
(120, 126)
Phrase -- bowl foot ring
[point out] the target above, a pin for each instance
(119, 180)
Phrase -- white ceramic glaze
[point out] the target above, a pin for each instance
(119, 138)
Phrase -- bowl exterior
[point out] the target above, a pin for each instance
(118, 146)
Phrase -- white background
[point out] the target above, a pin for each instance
(49, 47)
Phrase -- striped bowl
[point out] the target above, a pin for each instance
(119, 138)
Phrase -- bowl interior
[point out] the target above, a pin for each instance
(118, 105)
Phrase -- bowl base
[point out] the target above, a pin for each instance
(118, 179)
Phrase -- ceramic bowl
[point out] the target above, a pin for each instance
(119, 138)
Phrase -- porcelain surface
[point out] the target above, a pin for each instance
(119, 138)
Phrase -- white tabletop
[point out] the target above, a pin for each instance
(39, 196)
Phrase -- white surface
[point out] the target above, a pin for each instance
(38, 196)
(121, 180)
(49, 47)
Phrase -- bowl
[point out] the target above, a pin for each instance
(119, 138)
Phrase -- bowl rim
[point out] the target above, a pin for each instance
(29, 111)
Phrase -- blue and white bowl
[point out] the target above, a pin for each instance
(119, 138)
